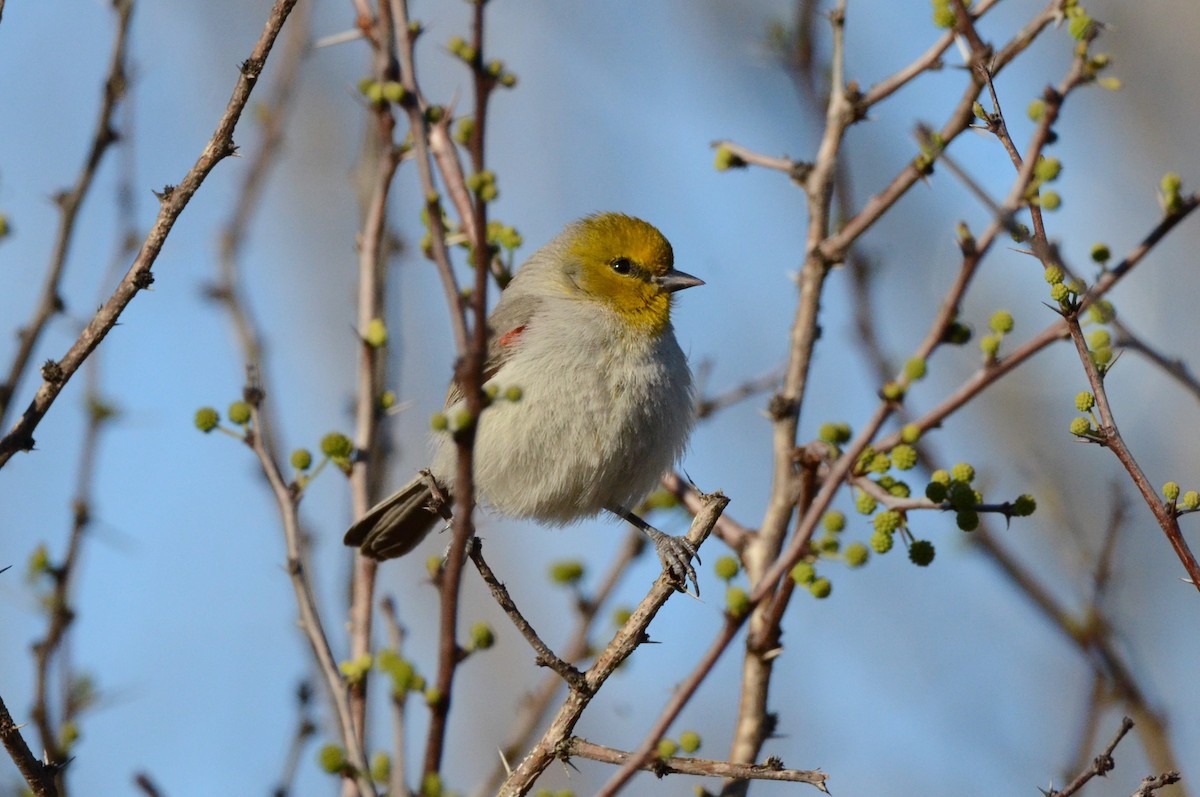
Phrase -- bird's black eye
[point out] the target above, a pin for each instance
(622, 265)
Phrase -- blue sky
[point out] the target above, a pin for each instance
(903, 682)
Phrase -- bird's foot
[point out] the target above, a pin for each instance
(676, 555)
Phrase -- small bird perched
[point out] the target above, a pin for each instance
(605, 401)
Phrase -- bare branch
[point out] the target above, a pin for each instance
(174, 199)
(1101, 765)
(772, 770)
(69, 203)
(627, 639)
(40, 777)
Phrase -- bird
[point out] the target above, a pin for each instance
(593, 397)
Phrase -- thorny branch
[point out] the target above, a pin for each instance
(50, 302)
(56, 374)
(626, 640)
(773, 769)
(287, 500)
(41, 778)
(1101, 764)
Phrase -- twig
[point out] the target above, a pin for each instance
(469, 375)
(626, 640)
(174, 199)
(643, 755)
(545, 656)
(40, 777)
(399, 768)
(577, 647)
(49, 302)
(1152, 783)
(1101, 765)
(310, 618)
(835, 247)
(728, 530)
(772, 770)
(1111, 439)
(305, 728)
(369, 467)
(753, 387)
(148, 787)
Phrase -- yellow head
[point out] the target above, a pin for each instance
(628, 265)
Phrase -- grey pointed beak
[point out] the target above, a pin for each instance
(677, 280)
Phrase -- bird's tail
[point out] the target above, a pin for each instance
(398, 523)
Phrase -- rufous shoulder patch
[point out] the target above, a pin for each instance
(511, 336)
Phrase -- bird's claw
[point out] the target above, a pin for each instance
(676, 555)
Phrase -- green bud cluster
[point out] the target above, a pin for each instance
(337, 447)
(381, 767)
(888, 521)
(483, 185)
(566, 572)
(856, 554)
(803, 573)
(737, 601)
(207, 419)
(820, 588)
(1100, 341)
(689, 741)
(401, 671)
(376, 334)
(380, 92)
(931, 147)
(1171, 196)
(461, 50)
(1081, 26)
(894, 486)
(921, 553)
(967, 519)
(1000, 324)
(881, 542)
(431, 785)
(727, 159)
(482, 636)
(865, 503)
(1024, 506)
(726, 568)
(503, 235)
(355, 670)
(464, 131)
(956, 334)
(835, 433)
(904, 457)
(332, 759)
(239, 412)
(833, 521)
(943, 13)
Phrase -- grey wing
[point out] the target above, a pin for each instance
(397, 524)
(509, 318)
